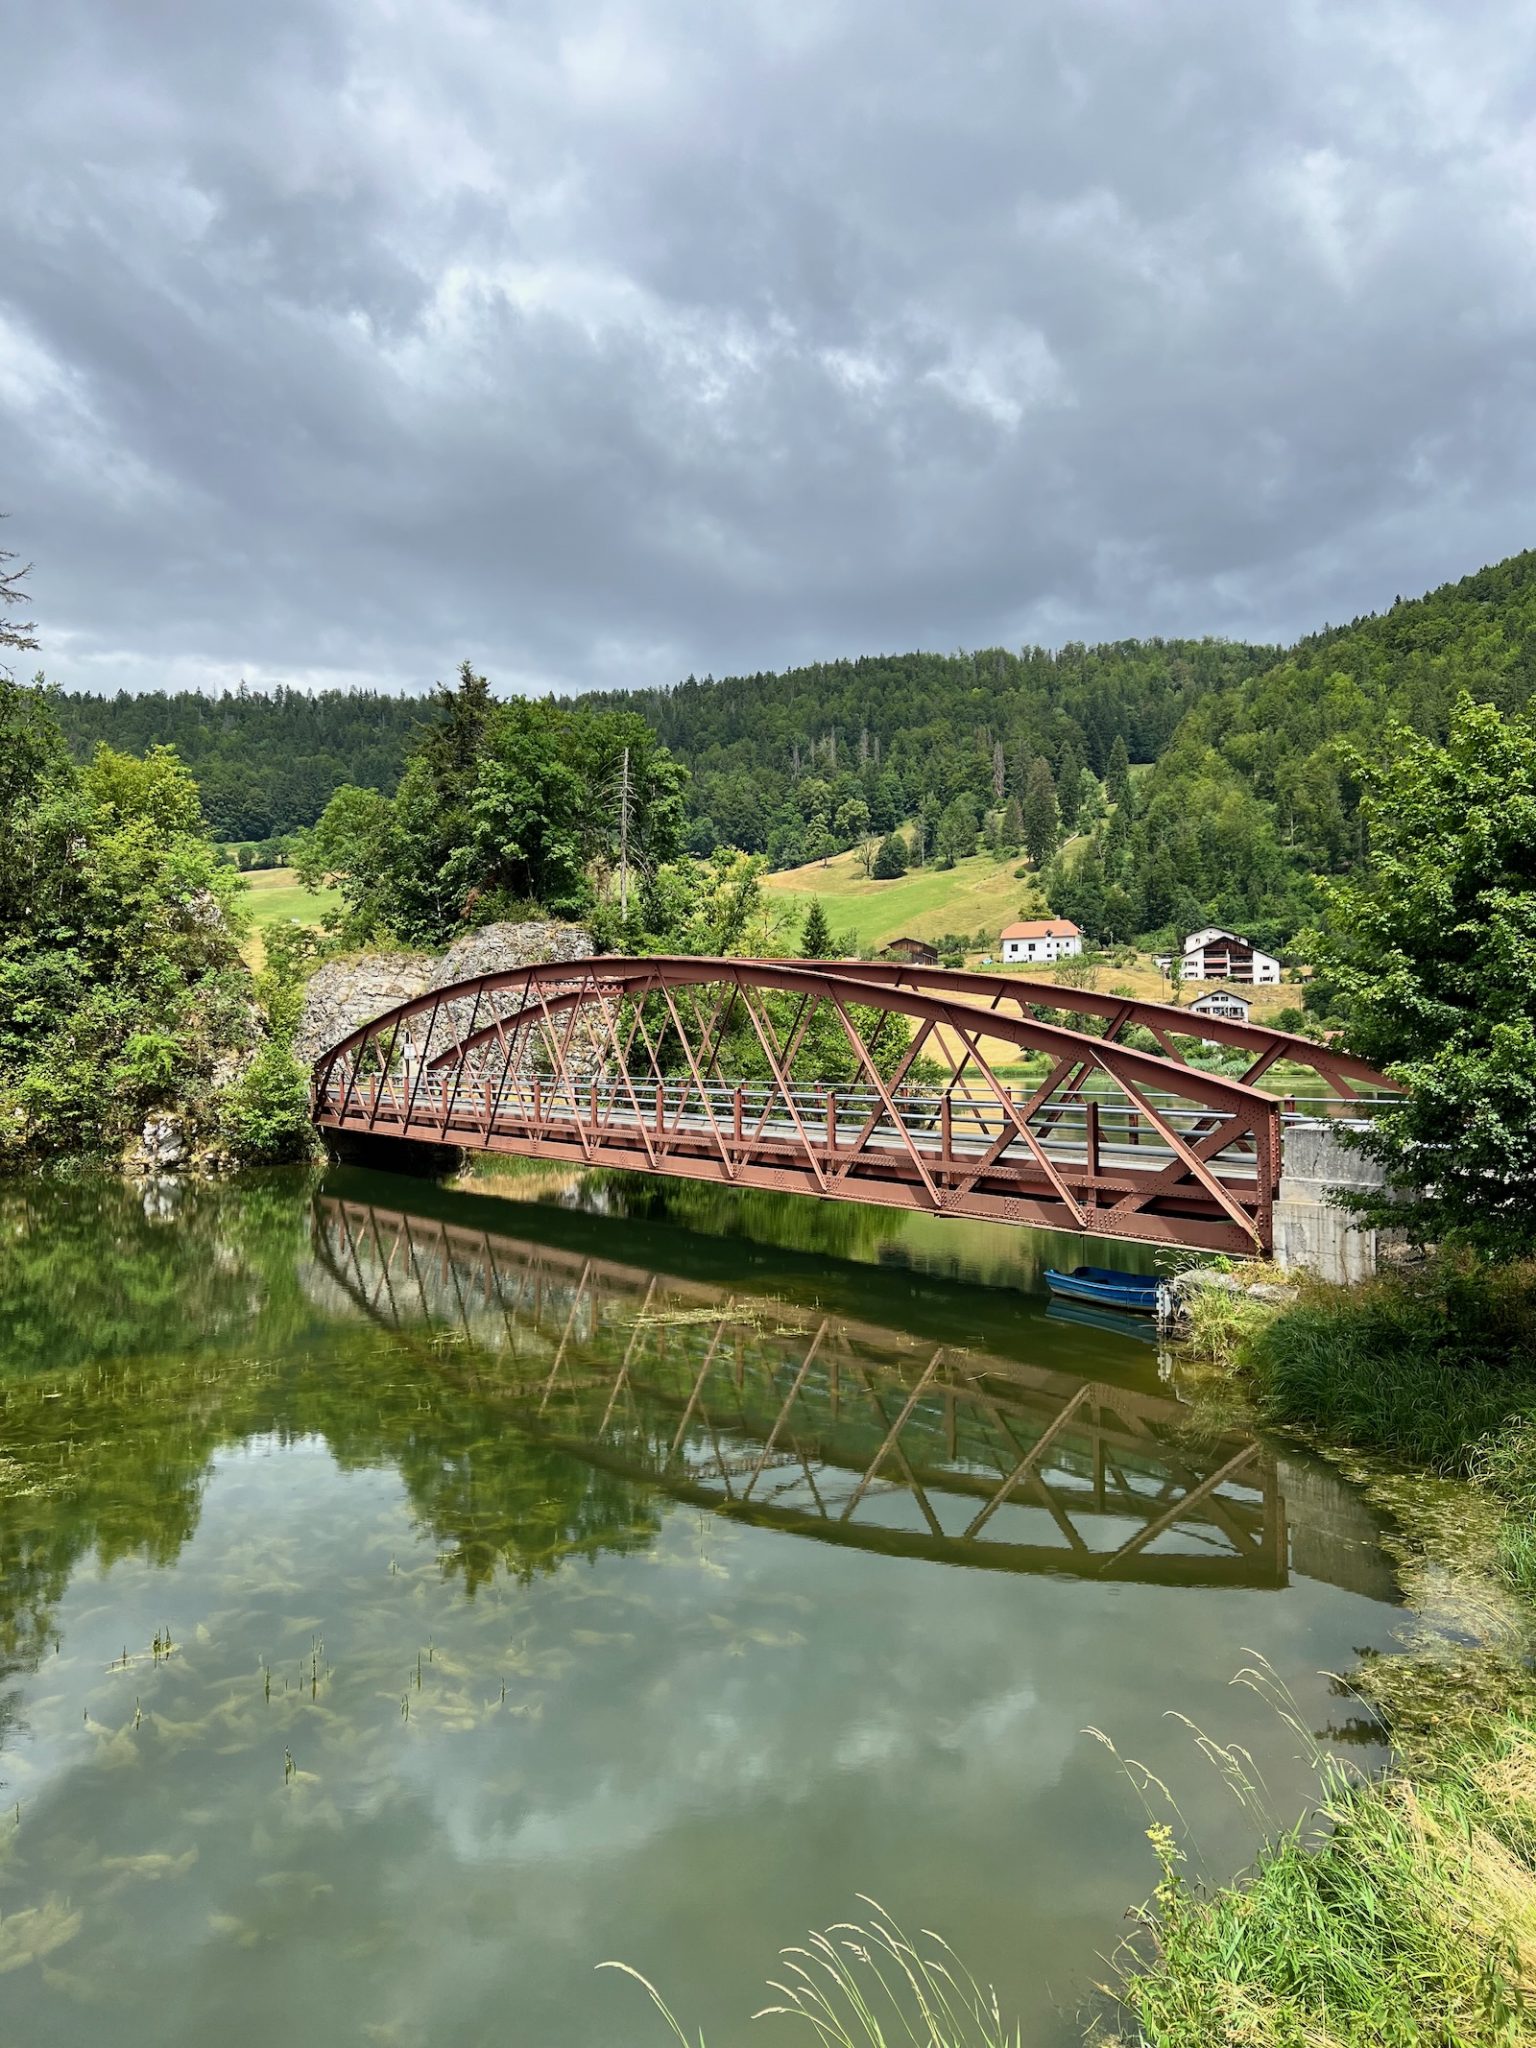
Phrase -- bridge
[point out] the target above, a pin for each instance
(954, 1093)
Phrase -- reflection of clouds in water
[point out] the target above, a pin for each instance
(708, 1740)
(725, 1748)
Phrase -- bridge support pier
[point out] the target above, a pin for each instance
(1312, 1232)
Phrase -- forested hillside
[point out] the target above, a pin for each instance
(1255, 793)
(777, 757)
(263, 763)
(1250, 796)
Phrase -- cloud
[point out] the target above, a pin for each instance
(608, 341)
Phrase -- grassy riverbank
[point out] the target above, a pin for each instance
(1404, 1909)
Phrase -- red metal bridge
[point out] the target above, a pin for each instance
(851, 1081)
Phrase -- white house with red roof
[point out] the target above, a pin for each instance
(1036, 940)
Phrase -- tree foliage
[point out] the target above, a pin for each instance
(121, 984)
(891, 860)
(1432, 950)
(503, 809)
(18, 634)
(1040, 820)
(265, 762)
(816, 933)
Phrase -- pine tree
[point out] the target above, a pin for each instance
(1012, 834)
(1042, 826)
(1117, 777)
(1069, 786)
(891, 860)
(18, 633)
(816, 933)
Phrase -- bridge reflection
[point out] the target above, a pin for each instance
(817, 1424)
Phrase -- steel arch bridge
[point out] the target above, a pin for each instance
(628, 1063)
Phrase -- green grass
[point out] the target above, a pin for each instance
(1397, 1915)
(1420, 1365)
(278, 892)
(925, 903)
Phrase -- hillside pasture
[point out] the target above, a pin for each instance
(922, 904)
(277, 893)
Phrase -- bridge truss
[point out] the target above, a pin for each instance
(847, 1081)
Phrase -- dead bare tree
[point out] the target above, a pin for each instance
(18, 633)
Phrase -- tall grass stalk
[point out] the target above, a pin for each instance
(1396, 1915)
(871, 1987)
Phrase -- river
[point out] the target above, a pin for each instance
(411, 1598)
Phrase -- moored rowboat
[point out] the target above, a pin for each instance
(1104, 1287)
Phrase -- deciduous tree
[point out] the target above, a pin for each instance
(891, 860)
(1432, 951)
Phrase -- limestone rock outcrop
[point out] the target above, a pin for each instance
(346, 993)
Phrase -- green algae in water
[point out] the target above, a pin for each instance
(409, 1602)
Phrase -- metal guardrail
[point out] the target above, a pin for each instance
(1065, 1128)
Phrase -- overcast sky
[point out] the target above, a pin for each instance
(608, 342)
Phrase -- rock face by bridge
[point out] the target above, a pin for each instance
(346, 993)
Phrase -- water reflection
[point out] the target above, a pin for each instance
(543, 1586)
(821, 1425)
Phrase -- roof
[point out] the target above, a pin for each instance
(1213, 939)
(1215, 998)
(1042, 928)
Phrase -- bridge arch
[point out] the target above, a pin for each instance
(619, 1062)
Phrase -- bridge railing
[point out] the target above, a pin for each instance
(940, 1121)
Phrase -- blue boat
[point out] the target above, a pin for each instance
(1136, 1293)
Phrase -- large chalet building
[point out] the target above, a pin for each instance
(1215, 955)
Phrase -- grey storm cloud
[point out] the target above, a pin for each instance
(610, 340)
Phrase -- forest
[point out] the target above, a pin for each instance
(264, 763)
(1250, 757)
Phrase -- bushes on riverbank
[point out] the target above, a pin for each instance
(1404, 1909)
(1419, 1365)
(123, 996)
(122, 990)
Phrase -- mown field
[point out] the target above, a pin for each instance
(276, 893)
(923, 904)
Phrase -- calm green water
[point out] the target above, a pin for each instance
(409, 1599)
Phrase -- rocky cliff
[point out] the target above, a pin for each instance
(346, 993)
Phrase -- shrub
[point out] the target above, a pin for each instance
(264, 1115)
(1419, 1364)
